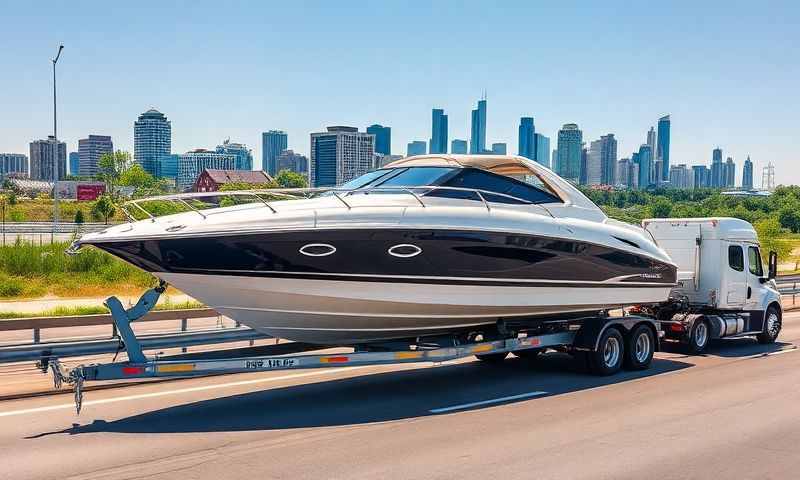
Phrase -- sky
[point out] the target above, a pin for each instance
(726, 72)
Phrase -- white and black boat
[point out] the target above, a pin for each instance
(427, 245)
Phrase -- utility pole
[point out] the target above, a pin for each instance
(55, 149)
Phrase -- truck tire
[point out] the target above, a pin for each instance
(640, 348)
(772, 326)
(608, 358)
(699, 336)
(492, 357)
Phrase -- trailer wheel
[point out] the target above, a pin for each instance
(608, 358)
(640, 348)
(492, 357)
(699, 336)
(772, 326)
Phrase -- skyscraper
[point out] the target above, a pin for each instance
(273, 143)
(478, 131)
(543, 149)
(458, 147)
(608, 160)
(152, 139)
(583, 176)
(288, 160)
(14, 164)
(416, 147)
(438, 141)
(623, 171)
(594, 163)
(679, 176)
(527, 139)
(89, 152)
(42, 159)
(340, 155)
(570, 140)
(554, 160)
(383, 138)
(645, 166)
(499, 148)
(717, 169)
(242, 154)
(729, 174)
(663, 145)
(747, 174)
(651, 139)
(702, 176)
(74, 163)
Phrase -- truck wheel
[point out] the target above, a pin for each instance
(699, 336)
(492, 357)
(607, 359)
(529, 353)
(640, 348)
(772, 326)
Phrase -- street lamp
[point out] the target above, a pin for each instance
(55, 150)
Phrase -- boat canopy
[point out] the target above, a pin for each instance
(508, 165)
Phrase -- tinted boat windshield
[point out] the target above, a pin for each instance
(469, 178)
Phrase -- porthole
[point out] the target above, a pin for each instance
(405, 250)
(317, 250)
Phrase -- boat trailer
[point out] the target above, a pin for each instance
(139, 366)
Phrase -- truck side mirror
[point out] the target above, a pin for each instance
(772, 265)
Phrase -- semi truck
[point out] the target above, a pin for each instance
(722, 291)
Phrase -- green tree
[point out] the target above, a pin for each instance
(104, 208)
(290, 179)
(789, 217)
(769, 233)
(78, 216)
(660, 208)
(111, 166)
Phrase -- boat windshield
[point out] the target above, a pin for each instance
(468, 178)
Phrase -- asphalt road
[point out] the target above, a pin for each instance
(733, 413)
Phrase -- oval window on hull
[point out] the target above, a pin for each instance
(317, 250)
(405, 250)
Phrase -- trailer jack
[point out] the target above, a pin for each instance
(122, 321)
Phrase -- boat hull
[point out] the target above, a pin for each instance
(347, 286)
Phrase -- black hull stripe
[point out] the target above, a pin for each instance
(422, 280)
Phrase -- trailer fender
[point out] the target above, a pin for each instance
(588, 337)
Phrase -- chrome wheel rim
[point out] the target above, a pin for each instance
(642, 347)
(701, 334)
(611, 352)
(773, 324)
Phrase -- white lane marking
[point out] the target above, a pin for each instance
(780, 352)
(175, 392)
(487, 402)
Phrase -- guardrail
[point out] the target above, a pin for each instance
(38, 349)
(789, 287)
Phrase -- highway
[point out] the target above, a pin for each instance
(732, 413)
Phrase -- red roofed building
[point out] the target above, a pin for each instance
(212, 180)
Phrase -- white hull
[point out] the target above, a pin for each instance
(347, 312)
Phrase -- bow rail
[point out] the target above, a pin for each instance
(194, 202)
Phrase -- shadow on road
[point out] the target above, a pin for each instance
(731, 347)
(371, 398)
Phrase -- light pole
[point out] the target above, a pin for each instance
(55, 149)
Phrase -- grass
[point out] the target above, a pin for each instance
(41, 210)
(28, 270)
(92, 310)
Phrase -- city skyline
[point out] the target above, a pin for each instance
(708, 106)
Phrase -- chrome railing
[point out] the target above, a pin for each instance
(260, 196)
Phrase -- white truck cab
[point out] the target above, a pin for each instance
(723, 289)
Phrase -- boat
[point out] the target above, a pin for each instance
(428, 245)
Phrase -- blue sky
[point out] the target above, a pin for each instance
(727, 72)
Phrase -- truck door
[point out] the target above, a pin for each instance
(736, 276)
(755, 289)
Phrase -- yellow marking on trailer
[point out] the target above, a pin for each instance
(178, 367)
(482, 348)
(408, 355)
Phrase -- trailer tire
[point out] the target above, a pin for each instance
(608, 358)
(772, 326)
(699, 336)
(492, 357)
(640, 348)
